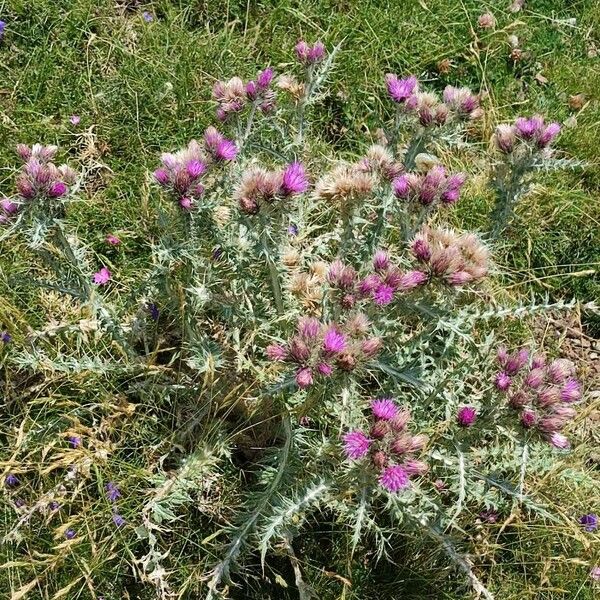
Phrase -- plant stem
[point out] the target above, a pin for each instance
(273, 273)
(417, 145)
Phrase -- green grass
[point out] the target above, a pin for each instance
(143, 88)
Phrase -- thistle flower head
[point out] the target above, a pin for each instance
(466, 416)
(400, 90)
(310, 55)
(334, 341)
(570, 391)
(294, 180)
(394, 478)
(276, 352)
(384, 408)
(502, 381)
(102, 277)
(356, 444)
(304, 377)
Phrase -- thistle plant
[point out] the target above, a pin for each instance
(311, 343)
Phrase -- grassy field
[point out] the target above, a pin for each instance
(140, 74)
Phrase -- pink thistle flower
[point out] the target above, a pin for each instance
(571, 391)
(226, 150)
(381, 260)
(415, 467)
(421, 250)
(528, 418)
(195, 168)
(558, 440)
(334, 341)
(265, 78)
(304, 377)
(384, 409)
(394, 479)
(161, 176)
(401, 186)
(401, 89)
(102, 277)
(548, 396)
(113, 240)
(294, 180)
(302, 49)
(466, 416)
(308, 327)
(276, 352)
(369, 284)
(356, 444)
(383, 295)
(371, 347)
(317, 53)
(57, 190)
(560, 369)
(411, 280)
(325, 369)
(502, 381)
(8, 207)
(186, 204)
(535, 378)
(459, 278)
(548, 135)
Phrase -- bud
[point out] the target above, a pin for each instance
(380, 459)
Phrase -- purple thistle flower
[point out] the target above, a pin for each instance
(11, 480)
(118, 520)
(195, 168)
(304, 377)
(113, 240)
(548, 134)
(528, 418)
(161, 176)
(226, 150)
(302, 49)
(420, 248)
(102, 277)
(325, 369)
(308, 327)
(401, 89)
(334, 341)
(571, 391)
(186, 204)
(466, 416)
(411, 280)
(276, 352)
(384, 409)
(265, 77)
(502, 381)
(383, 295)
(589, 521)
(112, 491)
(401, 186)
(317, 53)
(381, 260)
(57, 189)
(294, 180)
(70, 534)
(394, 478)
(356, 444)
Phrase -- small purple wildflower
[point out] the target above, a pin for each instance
(466, 416)
(589, 522)
(595, 573)
(147, 16)
(70, 534)
(113, 240)
(325, 369)
(11, 480)
(153, 311)
(118, 520)
(74, 119)
(356, 444)
(384, 409)
(292, 230)
(74, 441)
(5, 337)
(54, 505)
(2, 29)
(112, 491)
(394, 478)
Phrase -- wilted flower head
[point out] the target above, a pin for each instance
(230, 96)
(426, 189)
(462, 102)
(487, 21)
